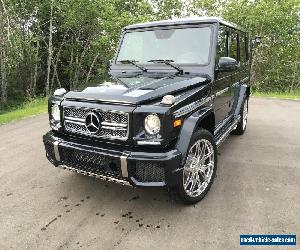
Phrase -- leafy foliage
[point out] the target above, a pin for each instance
(276, 63)
(66, 43)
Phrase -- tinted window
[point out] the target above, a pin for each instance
(184, 46)
(233, 45)
(222, 50)
(244, 48)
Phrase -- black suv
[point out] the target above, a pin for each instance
(178, 88)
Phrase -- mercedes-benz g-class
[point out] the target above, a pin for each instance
(178, 88)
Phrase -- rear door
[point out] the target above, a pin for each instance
(235, 75)
(238, 49)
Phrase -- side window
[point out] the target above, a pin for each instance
(233, 45)
(222, 50)
(247, 48)
(244, 48)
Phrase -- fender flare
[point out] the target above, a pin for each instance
(244, 92)
(190, 125)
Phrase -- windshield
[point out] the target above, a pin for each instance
(182, 46)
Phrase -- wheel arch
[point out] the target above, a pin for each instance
(203, 118)
(244, 92)
(207, 122)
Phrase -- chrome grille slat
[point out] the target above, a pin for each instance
(114, 124)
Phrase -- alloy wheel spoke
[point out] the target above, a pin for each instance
(195, 180)
(205, 157)
(188, 179)
(198, 168)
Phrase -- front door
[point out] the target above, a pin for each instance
(223, 80)
(222, 93)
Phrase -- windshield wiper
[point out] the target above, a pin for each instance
(133, 62)
(169, 63)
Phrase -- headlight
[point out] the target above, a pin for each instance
(152, 124)
(55, 112)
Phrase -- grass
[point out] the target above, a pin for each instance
(16, 111)
(289, 96)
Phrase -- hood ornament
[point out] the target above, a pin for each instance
(92, 123)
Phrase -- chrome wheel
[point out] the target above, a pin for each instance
(199, 167)
(245, 114)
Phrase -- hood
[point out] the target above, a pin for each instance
(137, 89)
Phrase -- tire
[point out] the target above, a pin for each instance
(242, 125)
(202, 174)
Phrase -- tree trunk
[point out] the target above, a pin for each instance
(36, 65)
(71, 70)
(8, 22)
(91, 68)
(79, 62)
(50, 50)
(3, 77)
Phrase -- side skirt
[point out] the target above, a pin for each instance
(219, 138)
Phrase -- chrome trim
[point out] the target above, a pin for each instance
(222, 91)
(124, 169)
(102, 177)
(190, 107)
(74, 122)
(148, 143)
(235, 84)
(56, 152)
(113, 124)
(245, 79)
(226, 134)
(74, 119)
(114, 128)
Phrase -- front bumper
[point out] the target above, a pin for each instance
(149, 168)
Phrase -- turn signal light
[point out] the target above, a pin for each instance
(177, 123)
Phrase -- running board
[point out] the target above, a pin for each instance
(102, 177)
(227, 132)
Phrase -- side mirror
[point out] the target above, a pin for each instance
(227, 64)
(109, 63)
(256, 41)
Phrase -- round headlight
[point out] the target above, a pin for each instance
(152, 124)
(55, 112)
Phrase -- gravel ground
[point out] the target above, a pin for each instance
(256, 191)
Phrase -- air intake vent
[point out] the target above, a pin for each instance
(146, 171)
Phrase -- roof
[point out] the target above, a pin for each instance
(182, 21)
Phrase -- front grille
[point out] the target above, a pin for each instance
(146, 171)
(112, 124)
(90, 162)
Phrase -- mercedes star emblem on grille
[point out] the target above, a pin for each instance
(92, 123)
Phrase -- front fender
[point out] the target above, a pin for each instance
(190, 125)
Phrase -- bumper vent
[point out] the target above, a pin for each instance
(146, 171)
(108, 124)
(49, 151)
(90, 162)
